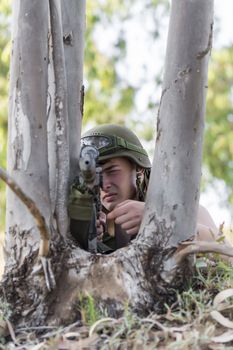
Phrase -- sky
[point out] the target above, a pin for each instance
(141, 53)
(223, 11)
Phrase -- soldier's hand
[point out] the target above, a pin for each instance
(128, 215)
(100, 225)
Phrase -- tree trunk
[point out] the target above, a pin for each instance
(48, 289)
(73, 18)
(38, 144)
(173, 194)
(174, 187)
(27, 131)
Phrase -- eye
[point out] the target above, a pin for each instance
(113, 171)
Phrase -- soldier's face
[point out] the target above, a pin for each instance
(119, 182)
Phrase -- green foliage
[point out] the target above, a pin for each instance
(109, 95)
(88, 309)
(214, 275)
(218, 147)
(106, 99)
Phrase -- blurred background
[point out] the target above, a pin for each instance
(123, 72)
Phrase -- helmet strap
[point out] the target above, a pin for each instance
(142, 182)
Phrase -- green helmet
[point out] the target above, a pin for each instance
(116, 141)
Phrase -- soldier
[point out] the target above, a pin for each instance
(125, 176)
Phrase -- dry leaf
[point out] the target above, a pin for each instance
(223, 338)
(222, 296)
(217, 316)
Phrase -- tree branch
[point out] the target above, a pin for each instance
(30, 204)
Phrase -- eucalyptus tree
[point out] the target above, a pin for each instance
(45, 271)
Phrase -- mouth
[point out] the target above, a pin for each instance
(109, 197)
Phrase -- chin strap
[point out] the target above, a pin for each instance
(142, 182)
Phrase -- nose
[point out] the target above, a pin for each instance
(106, 182)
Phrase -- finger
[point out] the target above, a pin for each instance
(122, 219)
(99, 227)
(111, 215)
(128, 225)
(102, 222)
(98, 223)
(123, 203)
(102, 215)
(118, 211)
(133, 231)
(100, 231)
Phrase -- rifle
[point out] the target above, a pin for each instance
(90, 180)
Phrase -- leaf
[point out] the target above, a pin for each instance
(223, 338)
(86, 343)
(222, 296)
(101, 321)
(217, 316)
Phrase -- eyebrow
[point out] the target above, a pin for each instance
(110, 167)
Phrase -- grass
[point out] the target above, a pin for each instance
(185, 325)
(89, 312)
